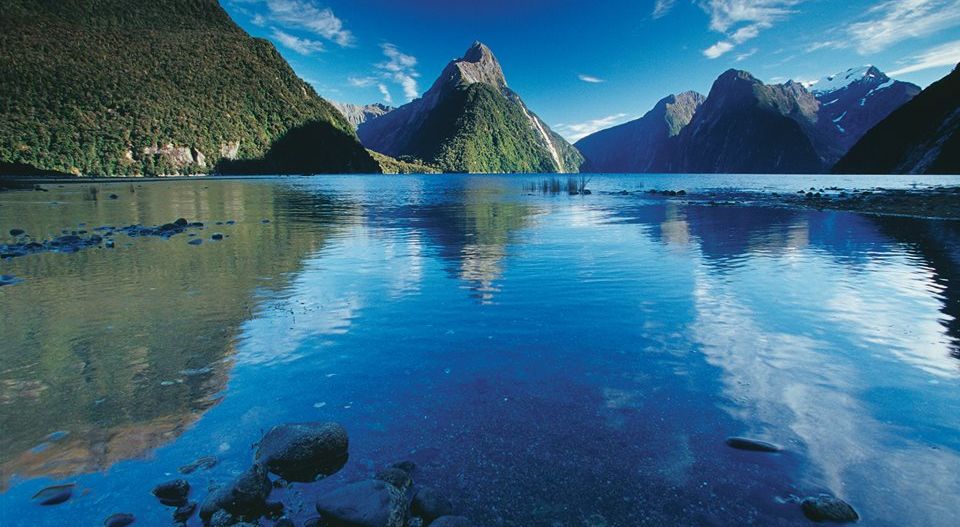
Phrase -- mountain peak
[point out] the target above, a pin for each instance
(838, 81)
(477, 52)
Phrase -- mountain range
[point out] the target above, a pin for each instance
(194, 93)
(746, 126)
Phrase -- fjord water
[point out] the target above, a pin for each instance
(545, 360)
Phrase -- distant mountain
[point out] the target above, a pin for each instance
(357, 114)
(124, 87)
(921, 137)
(471, 121)
(851, 103)
(746, 126)
(643, 145)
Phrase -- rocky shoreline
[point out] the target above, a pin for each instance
(935, 202)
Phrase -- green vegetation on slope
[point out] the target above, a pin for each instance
(390, 165)
(120, 87)
(475, 128)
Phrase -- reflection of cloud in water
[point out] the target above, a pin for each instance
(780, 383)
(480, 266)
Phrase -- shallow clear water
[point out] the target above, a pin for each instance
(546, 360)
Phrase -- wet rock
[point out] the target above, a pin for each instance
(304, 451)
(451, 521)
(54, 495)
(369, 503)
(755, 445)
(221, 518)
(245, 497)
(406, 466)
(284, 522)
(274, 509)
(16, 232)
(396, 477)
(181, 222)
(114, 196)
(429, 504)
(264, 221)
(172, 493)
(196, 241)
(313, 522)
(203, 463)
(184, 512)
(109, 244)
(828, 508)
(8, 279)
(120, 519)
(217, 236)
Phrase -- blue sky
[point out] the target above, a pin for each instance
(585, 65)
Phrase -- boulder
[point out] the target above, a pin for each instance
(429, 504)
(369, 503)
(172, 493)
(245, 497)
(304, 452)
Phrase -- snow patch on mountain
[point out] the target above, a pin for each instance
(841, 80)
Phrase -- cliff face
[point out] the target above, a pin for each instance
(120, 87)
(471, 121)
(921, 137)
(356, 114)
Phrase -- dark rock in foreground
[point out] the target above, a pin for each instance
(173, 493)
(370, 503)
(245, 497)
(304, 452)
(54, 495)
(184, 512)
(120, 519)
(429, 504)
(827, 508)
(755, 445)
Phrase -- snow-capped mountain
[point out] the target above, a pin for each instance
(851, 103)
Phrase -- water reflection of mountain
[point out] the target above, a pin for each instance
(125, 349)
(471, 233)
(938, 244)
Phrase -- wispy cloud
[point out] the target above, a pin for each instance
(400, 68)
(306, 15)
(944, 55)
(576, 131)
(744, 56)
(387, 98)
(303, 46)
(590, 78)
(896, 20)
(361, 82)
(662, 7)
(743, 20)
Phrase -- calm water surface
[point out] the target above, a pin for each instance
(546, 360)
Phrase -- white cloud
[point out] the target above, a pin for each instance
(590, 78)
(302, 46)
(744, 56)
(361, 82)
(717, 49)
(307, 15)
(400, 68)
(576, 131)
(896, 20)
(944, 55)
(258, 20)
(387, 98)
(662, 8)
(743, 20)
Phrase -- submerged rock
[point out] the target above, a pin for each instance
(451, 521)
(54, 495)
(120, 519)
(204, 463)
(16, 232)
(304, 452)
(429, 504)
(172, 493)
(184, 512)
(369, 503)
(397, 477)
(828, 508)
(245, 497)
(755, 445)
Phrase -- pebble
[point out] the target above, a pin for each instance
(120, 519)
(828, 508)
(304, 452)
(195, 241)
(204, 463)
(54, 495)
(745, 443)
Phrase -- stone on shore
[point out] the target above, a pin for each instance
(304, 452)
(828, 508)
(369, 503)
(245, 497)
(429, 504)
(173, 493)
